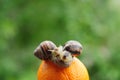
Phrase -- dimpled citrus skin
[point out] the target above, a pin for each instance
(50, 71)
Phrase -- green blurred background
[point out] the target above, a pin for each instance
(25, 23)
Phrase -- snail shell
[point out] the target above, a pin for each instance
(43, 50)
(74, 47)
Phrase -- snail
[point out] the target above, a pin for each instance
(62, 55)
(74, 47)
(43, 50)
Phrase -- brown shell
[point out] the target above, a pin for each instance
(74, 47)
(43, 50)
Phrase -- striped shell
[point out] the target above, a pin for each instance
(43, 50)
(74, 47)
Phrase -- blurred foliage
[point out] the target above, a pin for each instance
(25, 23)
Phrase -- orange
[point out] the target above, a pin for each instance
(50, 71)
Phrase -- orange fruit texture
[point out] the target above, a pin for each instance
(50, 71)
(60, 63)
